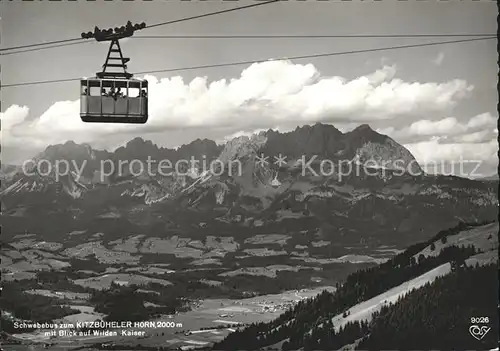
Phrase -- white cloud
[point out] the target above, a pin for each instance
(438, 144)
(476, 137)
(266, 95)
(439, 59)
(12, 116)
(390, 131)
(482, 120)
(433, 151)
(446, 127)
(441, 127)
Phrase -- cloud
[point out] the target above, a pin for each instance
(439, 59)
(61, 122)
(266, 95)
(473, 138)
(446, 128)
(482, 120)
(434, 151)
(448, 146)
(12, 116)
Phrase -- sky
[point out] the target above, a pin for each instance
(438, 101)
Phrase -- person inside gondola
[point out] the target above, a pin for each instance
(119, 93)
(111, 92)
(85, 92)
(103, 92)
(143, 93)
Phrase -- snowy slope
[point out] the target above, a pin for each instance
(364, 310)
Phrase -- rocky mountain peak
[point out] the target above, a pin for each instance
(68, 150)
(318, 139)
(242, 146)
(365, 145)
(363, 127)
(199, 148)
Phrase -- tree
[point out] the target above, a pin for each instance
(444, 240)
(421, 258)
(457, 263)
(433, 247)
(461, 262)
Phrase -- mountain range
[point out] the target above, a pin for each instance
(385, 196)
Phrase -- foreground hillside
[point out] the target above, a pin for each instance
(439, 315)
(378, 308)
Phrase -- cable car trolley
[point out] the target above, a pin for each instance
(114, 97)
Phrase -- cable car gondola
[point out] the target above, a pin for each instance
(114, 97)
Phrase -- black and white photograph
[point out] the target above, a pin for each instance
(249, 175)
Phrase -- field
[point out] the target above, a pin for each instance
(219, 273)
(211, 321)
(104, 281)
(68, 295)
(484, 238)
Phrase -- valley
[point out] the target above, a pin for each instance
(249, 276)
(210, 321)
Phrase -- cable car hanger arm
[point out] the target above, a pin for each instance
(114, 36)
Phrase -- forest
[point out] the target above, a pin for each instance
(438, 315)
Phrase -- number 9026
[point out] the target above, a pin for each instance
(475, 320)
